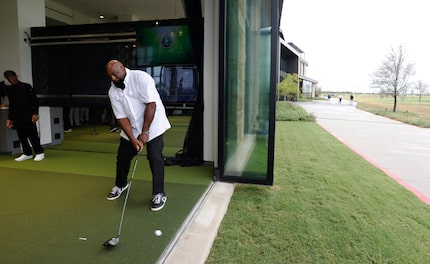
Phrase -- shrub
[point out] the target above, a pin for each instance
(287, 111)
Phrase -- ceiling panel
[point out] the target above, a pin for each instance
(122, 10)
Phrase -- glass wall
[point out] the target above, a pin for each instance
(177, 84)
(307, 89)
(247, 91)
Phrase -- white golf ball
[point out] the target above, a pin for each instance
(158, 232)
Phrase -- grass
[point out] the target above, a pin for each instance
(409, 109)
(327, 205)
(287, 111)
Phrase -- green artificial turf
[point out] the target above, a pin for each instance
(84, 138)
(103, 164)
(44, 215)
(49, 207)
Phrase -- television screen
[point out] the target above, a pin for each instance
(163, 45)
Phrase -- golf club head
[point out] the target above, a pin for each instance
(111, 242)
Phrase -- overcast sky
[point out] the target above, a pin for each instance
(345, 41)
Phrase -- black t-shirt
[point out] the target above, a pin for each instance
(23, 102)
(2, 89)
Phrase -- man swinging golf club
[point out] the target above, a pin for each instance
(141, 115)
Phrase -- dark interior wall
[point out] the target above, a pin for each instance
(71, 71)
(75, 71)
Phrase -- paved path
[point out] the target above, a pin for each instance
(193, 242)
(401, 151)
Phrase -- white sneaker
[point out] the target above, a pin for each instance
(24, 157)
(39, 157)
(116, 192)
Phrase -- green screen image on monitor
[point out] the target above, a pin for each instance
(164, 45)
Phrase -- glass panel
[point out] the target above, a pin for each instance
(176, 84)
(248, 66)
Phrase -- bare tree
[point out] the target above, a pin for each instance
(421, 89)
(393, 73)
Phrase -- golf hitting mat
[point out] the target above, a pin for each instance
(57, 217)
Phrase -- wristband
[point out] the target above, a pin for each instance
(145, 132)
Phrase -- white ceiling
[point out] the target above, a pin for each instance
(122, 10)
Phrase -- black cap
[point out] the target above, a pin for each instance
(9, 73)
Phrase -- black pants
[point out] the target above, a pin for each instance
(125, 154)
(27, 131)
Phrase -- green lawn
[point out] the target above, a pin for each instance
(327, 205)
(409, 109)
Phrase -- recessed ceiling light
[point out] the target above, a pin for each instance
(101, 16)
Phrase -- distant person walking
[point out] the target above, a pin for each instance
(351, 99)
(340, 99)
(23, 115)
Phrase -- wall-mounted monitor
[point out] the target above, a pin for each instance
(164, 45)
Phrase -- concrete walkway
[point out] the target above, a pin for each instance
(402, 151)
(193, 241)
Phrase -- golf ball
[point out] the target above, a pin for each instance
(158, 232)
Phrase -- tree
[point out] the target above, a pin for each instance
(393, 73)
(289, 87)
(421, 88)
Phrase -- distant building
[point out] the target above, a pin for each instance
(292, 61)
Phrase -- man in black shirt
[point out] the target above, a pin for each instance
(2, 92)
(23, 115)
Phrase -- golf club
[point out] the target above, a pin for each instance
(115, 240)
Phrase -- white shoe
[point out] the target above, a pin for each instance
(116, 192)
(39, 157)
(24, 157)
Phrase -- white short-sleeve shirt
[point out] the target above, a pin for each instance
(131, 103)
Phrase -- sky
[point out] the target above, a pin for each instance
(345, 41)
